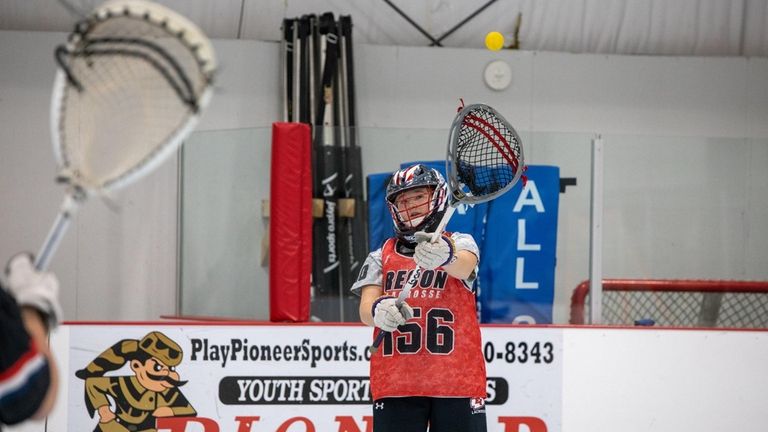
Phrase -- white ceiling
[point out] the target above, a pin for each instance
(649, 27)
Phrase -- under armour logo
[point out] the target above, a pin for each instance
(378, 405)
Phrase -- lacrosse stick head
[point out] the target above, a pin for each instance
(485, 155)
(132, 82)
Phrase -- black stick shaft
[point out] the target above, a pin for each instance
(326, 272)
(287, 66)
(355, 228)
(344, 238)
(296, 81)
(304, 71)
(312, 48)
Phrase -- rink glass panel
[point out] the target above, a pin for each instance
(674, 208)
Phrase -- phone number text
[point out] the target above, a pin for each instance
(520, 352)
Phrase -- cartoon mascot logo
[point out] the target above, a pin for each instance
(151, 392)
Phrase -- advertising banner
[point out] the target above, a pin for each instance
(278, 378)
(517, 248)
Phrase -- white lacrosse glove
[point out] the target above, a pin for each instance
(433, 255)
(386, 314)
(31, 288)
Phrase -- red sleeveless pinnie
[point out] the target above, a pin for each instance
(438, 352)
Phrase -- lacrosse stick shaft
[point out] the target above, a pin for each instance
(60, 225)
(415, 274)
(132, 82)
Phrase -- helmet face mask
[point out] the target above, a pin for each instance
(417, 200)
(412, 206)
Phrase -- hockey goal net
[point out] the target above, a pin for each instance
(676, 303)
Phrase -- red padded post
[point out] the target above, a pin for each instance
(290, 226)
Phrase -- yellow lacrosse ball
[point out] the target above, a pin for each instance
(494, 41)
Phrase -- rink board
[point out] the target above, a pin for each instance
(598, 379)
(302, 378)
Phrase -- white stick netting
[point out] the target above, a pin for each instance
(135, 83)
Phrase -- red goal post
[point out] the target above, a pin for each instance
(677, 303)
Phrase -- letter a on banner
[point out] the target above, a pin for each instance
(517, 251)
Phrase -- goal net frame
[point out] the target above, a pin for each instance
(676, 303)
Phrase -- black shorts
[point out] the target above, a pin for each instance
(414, 414)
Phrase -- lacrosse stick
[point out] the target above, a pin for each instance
(132, 82)
(484, 160)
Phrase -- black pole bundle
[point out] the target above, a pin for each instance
(319, 89)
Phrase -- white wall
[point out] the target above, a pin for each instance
(123, 266)
(669, 380)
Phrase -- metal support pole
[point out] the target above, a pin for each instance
(413, 23)
(436, 42)
(596, 235)
(464, 21)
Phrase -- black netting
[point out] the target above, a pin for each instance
(685, 308)
(488, 152)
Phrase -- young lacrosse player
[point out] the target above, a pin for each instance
(430, 372)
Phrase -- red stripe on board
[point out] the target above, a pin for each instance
(235, 323)
(186, 321)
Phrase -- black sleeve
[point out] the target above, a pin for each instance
(24, 372)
